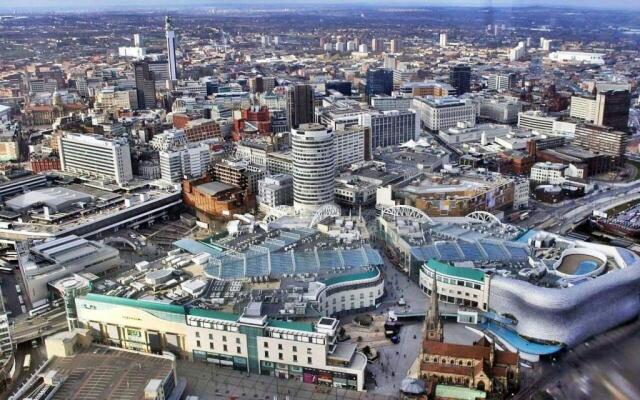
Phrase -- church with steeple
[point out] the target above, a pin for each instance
(479, 366)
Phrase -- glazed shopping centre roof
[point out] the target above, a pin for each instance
(274, 257)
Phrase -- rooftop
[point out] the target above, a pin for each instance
(105, 373)
(459, 272)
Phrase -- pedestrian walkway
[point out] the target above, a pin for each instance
(212, 382)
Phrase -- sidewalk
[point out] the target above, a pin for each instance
(211, 382)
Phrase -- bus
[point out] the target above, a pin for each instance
(10, 256)
(27, 362)
(6, 270)
(39, 310)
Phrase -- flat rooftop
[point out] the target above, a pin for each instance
(107, 373)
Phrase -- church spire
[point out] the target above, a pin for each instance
(433, 324)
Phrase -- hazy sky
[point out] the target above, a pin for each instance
(89, 4)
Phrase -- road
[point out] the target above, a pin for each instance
(38, 356)
(561, 216)
(25, 330)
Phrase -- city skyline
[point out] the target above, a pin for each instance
(390, 200)
(69, 5)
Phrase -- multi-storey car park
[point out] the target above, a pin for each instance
(534, 291)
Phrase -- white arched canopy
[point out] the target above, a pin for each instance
(328, 210)
(484, 217)
(408, 212)
(278, 212)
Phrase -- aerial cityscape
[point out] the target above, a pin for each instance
(319, 200)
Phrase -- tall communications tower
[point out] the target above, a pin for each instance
(171, 48)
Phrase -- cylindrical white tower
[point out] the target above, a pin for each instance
(314, 165)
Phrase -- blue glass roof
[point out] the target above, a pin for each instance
(258, 261)
(519, 342)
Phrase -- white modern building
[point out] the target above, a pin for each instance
(517, 53)
(577, 57)
(353, 145)
(548, 172)
(96, 157)
(583, 107)
(314, 167)
(444, 112)
(456, 285)
(501, 82)
(137, 53)
(536, 121)
(187, 162)
(443, 39)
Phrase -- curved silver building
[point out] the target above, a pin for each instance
(314, 165)
(572, 314)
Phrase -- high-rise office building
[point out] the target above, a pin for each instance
(314, 167)
(396, 45)
(443, 39)
(379, 81)
(95, 157)
(389, 62)
(145, 85)
(171, 48)
(353, 145)
(299, 105)
(460, 78)
(191, 161)
(501, 82)
(608, 108)
(612, 109)
(518, 52)
(138, 41)
(391, 128)
(377, 45)
(445, 112)
(603, 140)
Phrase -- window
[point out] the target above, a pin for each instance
(211, 345)
(308, 360)
(266, 345)
(211, 336)
(295, 349)
(238, 350)
(197, 343)
(237, 340)
(197, 334)
(279, 346)
(280, 356)
(295, 358)
(224, 338)
(224, 348)
(266, 354)
(308, 350)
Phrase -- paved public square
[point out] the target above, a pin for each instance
(211, 382)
